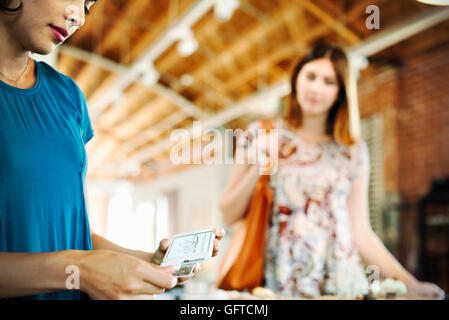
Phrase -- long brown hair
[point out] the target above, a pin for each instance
(338, 123)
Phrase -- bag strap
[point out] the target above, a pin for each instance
(240, 232)
(266, 124)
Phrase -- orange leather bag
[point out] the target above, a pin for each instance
(243, 264)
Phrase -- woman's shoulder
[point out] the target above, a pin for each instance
(358, 147)
(358, 155)
(266, 123)
(57, 78)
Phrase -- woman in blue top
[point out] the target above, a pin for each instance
(45, 239)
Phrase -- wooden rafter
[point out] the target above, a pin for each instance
(342, 30)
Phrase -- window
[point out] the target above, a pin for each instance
(142, 227)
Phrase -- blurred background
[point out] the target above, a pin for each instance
(150, 67)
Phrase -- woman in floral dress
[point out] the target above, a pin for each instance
(319, 228)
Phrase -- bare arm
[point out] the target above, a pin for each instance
(370, 247)
(238, 191)
(100, 243)
(35, 273)
(103, 274)
(372, 250)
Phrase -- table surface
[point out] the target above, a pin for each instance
(237, 295)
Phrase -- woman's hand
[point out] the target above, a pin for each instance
(158, 256)
(427, 290)
(107, 274)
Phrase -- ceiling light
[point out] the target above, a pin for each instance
(149, 76)
(186, 80)
(224, 9)
(435, 2)
(187, 43)
(187, 46)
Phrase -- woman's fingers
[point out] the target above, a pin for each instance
(148, 289)
(196, 269)
(219, 234)
(158, 276)
(137, 297)
(430, 291)
(433, 291)
(216, 248)
(163, 245)
(438, 293)
(142, 297)
(158, 256)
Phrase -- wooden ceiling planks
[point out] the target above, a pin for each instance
(340, 28)
(255, 48)
(112, 40)
(264, 29)
(225, 61)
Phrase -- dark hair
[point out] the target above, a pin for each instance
(4, 7)
(338, 119)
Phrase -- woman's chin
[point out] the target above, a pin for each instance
(44, 49)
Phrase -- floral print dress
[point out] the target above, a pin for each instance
(309, 248)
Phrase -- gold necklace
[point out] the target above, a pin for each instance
(15, 81)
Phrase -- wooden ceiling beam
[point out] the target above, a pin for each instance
(198, 10)
(115, 68)
(135, 96)
(275, 56)
(247, 41)
(112, 38)
(355, 17)
(154, 110)
(151, 133)
(343, 31)
(210, 27)
(257, 34)
(298, 46)
(240, 108)
(143, 118)
(158, 28)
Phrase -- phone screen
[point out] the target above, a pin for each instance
(189, 245)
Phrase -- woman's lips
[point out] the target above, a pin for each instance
(60, 33)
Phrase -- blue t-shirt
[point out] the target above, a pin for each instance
(43, 131)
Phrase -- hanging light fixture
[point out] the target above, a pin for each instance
(186, 80)
(149, 75)
(224, 9)
(187, 43)
(435, 2)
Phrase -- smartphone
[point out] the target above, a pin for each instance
(188, 249)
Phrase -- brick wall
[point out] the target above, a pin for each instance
(413, 99)
(423, 136)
